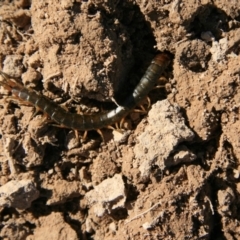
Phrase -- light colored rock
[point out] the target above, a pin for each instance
(225, 46)
(107, 196)
(165, 130)
(112, 227)
(219, 49)
(183, 155)
(18, 194)
(226, 197)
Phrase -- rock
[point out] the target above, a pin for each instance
(18, 194)
(165, 130)
(226, 198)
(107, 196)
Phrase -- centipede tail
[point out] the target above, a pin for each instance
(89, 122)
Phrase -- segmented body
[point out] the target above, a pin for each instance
(90, 122)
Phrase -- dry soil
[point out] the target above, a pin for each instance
(172, 172)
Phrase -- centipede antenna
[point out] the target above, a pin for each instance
(4, 82)
(9, 82)
(3, 74)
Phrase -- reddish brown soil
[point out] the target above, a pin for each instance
(174, 173)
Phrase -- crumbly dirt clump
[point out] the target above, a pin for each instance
(172, 172)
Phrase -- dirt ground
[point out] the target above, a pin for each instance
(172, 172)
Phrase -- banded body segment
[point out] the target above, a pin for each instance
(151, 76)
(90, 122)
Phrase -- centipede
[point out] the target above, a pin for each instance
(97, 121)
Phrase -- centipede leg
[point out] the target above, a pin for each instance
(86, 122)
(77, 135)
(149, 102)
(110, 127)
(116, 128)
(101, 134)
(84, 137)
(142, 110)
(159, 86)
(44, 117)
(122, 122)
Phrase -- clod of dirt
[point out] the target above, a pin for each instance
(53, 227)
(107, 196)
(20, 18)
(31, 77)
(76, 52)
(194, 55)
(34, 153)
(103, 166)
(63, 191)
(165, 130)
(18, 194)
